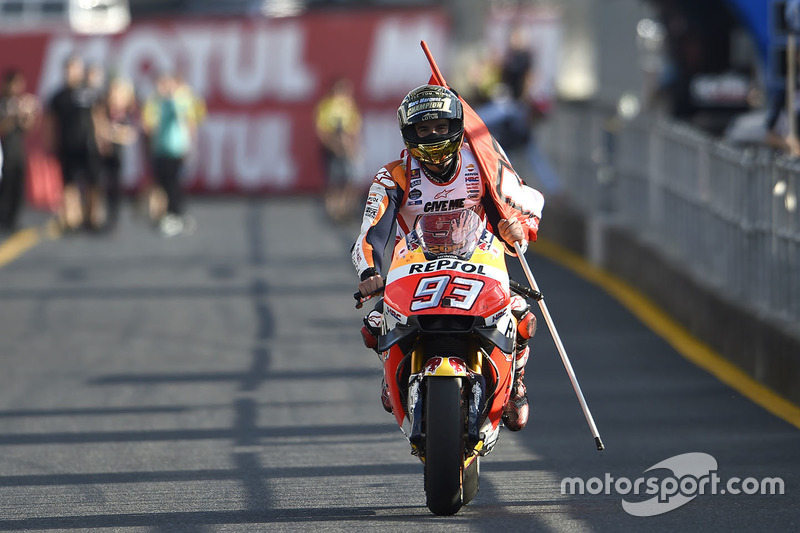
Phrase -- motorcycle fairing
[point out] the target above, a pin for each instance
(501, 334)
(447, 284)
(433, 301)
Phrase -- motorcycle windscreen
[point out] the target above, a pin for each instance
(455, 233)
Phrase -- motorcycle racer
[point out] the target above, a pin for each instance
(437, 172)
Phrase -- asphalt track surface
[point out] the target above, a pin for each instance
(217, 382)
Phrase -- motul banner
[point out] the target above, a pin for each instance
(261, 79)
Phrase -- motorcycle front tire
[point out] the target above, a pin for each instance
(444, 445)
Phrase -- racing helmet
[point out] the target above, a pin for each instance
(431, 102)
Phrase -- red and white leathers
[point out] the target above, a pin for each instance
(402, 191)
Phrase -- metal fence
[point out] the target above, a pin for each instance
(729, 215)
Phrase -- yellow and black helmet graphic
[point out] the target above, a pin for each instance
(431, 102)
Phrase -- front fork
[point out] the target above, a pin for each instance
(443, 367)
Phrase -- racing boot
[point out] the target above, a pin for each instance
(372, 329)
(526, 321)
(370, 332)
(515, 413)
(385, 401)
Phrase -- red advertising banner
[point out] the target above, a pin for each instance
(260, 79)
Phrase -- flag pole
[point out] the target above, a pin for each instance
(561, 350)
(434, 68)
(438, 78)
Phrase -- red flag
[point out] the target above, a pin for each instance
(512, 197)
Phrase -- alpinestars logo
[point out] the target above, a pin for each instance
(442, 194)
(374, 318)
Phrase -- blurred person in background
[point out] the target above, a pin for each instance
(95, 80)
(18, 113)
(94, 202)
(198, 103)
(777, 134)
(154, 197)
(776, 123)
(169, 121)
(338, 126)
(780, 134)
(508, 113)
(115, 129)
(512, 113)
(69, 134)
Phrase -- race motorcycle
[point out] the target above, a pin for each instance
(447, 344)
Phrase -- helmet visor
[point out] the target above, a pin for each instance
(435, 153)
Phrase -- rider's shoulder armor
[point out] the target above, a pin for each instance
(392, 175)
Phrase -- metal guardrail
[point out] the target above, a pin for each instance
(730, 216)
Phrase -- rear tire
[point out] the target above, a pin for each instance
(444, 445)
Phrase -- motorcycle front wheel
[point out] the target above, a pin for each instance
(444, 445)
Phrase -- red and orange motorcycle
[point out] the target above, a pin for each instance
(447, 344)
